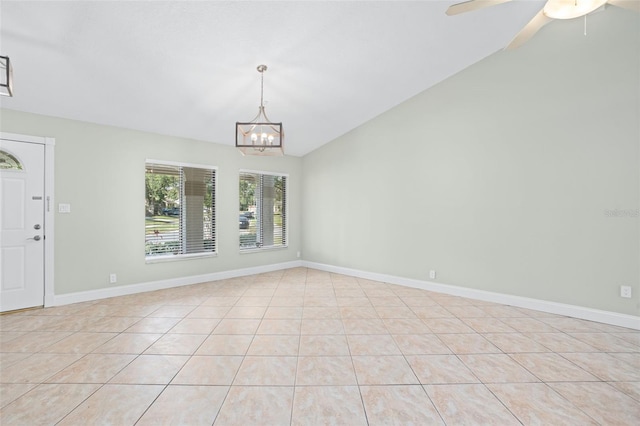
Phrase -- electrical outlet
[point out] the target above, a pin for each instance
(432, 274)
(625, 291)
(113, 278)
(298, 255)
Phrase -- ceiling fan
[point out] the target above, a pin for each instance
(553, 9)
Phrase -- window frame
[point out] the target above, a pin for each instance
(285, 210)
(214, 231)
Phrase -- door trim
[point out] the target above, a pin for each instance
(49, 144)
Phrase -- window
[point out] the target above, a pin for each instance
(9, 162)
(179, 210)
(263, 210)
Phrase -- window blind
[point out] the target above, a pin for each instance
(180, 210)
(263, 199)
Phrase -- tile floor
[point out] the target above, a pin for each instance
(306, 347)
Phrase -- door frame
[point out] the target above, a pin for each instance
(49, 144)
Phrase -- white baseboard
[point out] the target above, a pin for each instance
(606, 317)
(104, 293)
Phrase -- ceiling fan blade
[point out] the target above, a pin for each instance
(471, 5)
(626, 4)
(529, 30)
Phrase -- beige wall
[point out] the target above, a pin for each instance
(499, 178)
(99, 170)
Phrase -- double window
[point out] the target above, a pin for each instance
(263, 210)
(180, 210)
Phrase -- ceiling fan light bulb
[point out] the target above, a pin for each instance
(569, 9)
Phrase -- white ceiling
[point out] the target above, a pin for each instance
(188, 68)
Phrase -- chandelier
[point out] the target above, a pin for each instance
(6, 79)
(260, 136)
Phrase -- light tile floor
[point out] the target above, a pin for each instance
(306, 347)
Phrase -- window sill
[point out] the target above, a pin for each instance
(178, 257)
(262, 249)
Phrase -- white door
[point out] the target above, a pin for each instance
(21, 225)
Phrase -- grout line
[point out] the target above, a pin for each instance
(316, 288)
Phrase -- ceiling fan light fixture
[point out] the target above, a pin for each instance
(569, 9)
(6, 77)
(260, 136)
(553, 9)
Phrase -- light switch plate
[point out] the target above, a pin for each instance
(64, 208)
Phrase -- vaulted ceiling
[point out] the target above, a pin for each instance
(188, 68)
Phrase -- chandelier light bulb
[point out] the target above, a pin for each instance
(254, 137)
